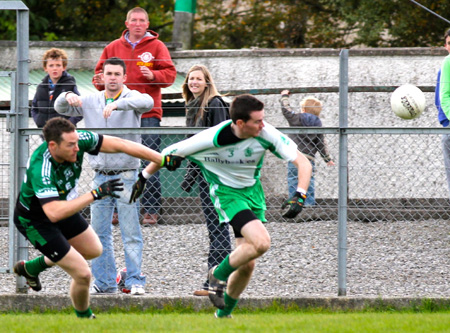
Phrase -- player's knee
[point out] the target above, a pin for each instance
(94, 252)
(262, 245)
(83, 277)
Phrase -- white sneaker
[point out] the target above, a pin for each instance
(137, 290)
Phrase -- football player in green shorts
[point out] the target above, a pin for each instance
(230, 156)
(47, 209)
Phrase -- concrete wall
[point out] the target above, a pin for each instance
(289, 68)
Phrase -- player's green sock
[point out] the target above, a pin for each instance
(224, 270)
(84, 314)
(230, 304)
(36, 266)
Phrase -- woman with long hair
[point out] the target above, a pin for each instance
(205, 108)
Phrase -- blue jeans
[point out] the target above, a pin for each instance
(151, 200)
(104, 267)
(292, 178)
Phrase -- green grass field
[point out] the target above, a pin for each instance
(259, 321)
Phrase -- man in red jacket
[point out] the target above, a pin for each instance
(149, 68)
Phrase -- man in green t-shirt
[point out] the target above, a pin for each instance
(47, 209)
(230, 156)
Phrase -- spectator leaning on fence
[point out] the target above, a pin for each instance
(56, 81)
(47, 209)
(205, 108)
(149, 68)
(115, 107)
(442, 102)
(230, 156)
(308, 144)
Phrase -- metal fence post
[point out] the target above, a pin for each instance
(21, 153)
(343, 173)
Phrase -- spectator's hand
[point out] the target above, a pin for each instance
(285, 92)
(172, 162)
(98, 78)
(147, 73)
(330, 163)
(109, 109)
(138, 188)
(73, 99)
(107, 189)
(294, 205)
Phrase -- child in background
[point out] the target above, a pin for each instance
(53, 84)
(308, 144)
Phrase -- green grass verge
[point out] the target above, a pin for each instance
(241, 322)
(276, 307)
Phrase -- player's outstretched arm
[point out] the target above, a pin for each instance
(304, 170)
(112, 144)
(294, 205)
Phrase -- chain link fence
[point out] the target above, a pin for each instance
(397, 200)
(396, 207)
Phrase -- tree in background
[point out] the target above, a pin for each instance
(319, 23)
(235, 24)
(397, 23)
(86, 20)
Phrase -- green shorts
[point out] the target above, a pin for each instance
(229, 201)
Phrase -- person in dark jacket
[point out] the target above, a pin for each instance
(205, 108)
(53, 84)
(308, 144)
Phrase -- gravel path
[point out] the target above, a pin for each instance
(385, 259)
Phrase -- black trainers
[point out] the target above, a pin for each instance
(32, 281)
(216, 289)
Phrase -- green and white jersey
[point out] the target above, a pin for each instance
(444, 86)
(47, 180)
(238, 164)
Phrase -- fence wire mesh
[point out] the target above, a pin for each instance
(4, 197)
(396, 180)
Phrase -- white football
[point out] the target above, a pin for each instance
(408, 101)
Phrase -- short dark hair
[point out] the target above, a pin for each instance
(55, 127)
(115, 61)
(447, 34)
(243, 105)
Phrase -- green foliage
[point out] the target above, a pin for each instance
(399, 23)
(320, 23)
(236, 24)
(85, 20)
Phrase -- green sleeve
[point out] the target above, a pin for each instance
(444, 90)
(88, 141)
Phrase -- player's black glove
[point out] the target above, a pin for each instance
(138, 188)
(172, 162)
(187, 183)
(294, 205)
(108, 188)
(190, 177)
